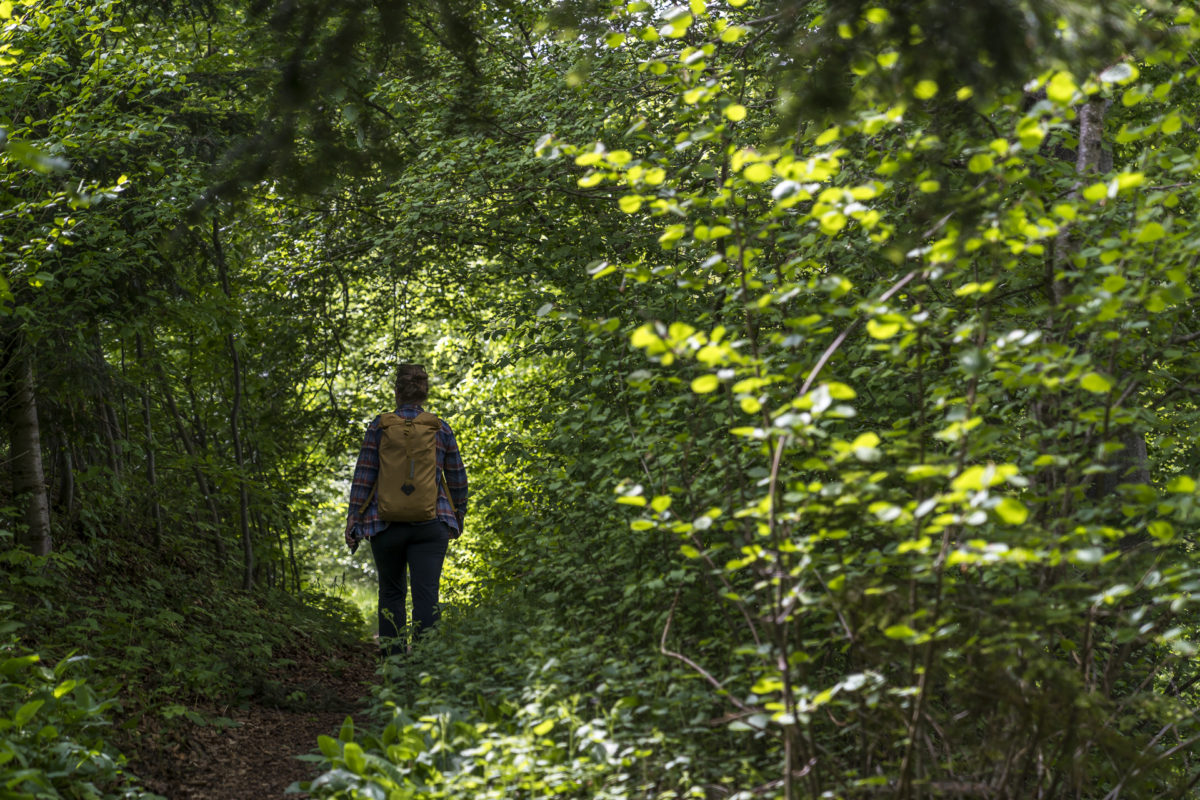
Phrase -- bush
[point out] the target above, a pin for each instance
(52, 734)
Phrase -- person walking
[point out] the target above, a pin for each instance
(406, 549)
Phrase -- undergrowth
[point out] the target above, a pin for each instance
(145, 646)
(531, 693)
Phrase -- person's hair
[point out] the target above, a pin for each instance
(412, 383)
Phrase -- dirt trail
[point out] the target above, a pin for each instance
(256, 760)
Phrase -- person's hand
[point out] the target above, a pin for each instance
(352, 535)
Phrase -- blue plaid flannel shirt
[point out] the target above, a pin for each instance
(452, 494)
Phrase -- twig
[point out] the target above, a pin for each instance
(777, 457)
(662, 646)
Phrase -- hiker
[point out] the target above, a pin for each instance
(408, 499)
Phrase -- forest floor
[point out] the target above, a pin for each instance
(256, 758)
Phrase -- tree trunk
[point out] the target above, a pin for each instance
(66, 480)
(235, 412)
(109, 424)
(186, 441)
(28, 477)
(287, 526)
(1131, 463)
(151, 465)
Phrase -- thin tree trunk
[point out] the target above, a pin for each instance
(1131, 464)
(29, 482)
(60, 475)
(264, 534)
(66, 480)
(109, 424)
(1087, 161)
(186, 441)
(287, 526)
(151, 466)
(234, 418)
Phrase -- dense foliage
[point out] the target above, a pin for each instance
(826, 382)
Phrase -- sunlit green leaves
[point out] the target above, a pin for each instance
(678, 20)
(1096, 383)
(981, 162)
(1182, 484)
(1061, 88)
(1150, 232)
(1011, 511)
(899, 631)
(980, 477)
(882, 330)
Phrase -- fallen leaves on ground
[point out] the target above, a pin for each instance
(256, 757)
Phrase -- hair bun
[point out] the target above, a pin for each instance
(412, 382)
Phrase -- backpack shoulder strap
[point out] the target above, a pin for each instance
(386, 420)
(363, 508)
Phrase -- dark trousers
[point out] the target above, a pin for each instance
(399, 549)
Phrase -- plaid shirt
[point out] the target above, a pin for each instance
(451, 508)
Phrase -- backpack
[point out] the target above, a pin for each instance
(407, 487)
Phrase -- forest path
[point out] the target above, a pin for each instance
(256, 759)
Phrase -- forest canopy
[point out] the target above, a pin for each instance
(823, 370)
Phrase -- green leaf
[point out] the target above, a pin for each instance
(1011, 511)
(925, 89)
(677, 24)
(1096, 192)
(1061, 88)
(1181, 484)
(1121, 72)
(644, 336)
(1150, 232)
(705, 384)
(1132, 96)
(900, 631)
(1096, 383)
(26, 712)
(733, 33)
(15, 666)
(1162, 531)
(757, 172)
(356, 760)
(882, 330)
(981, 162)
(840, 391)
(543, 727)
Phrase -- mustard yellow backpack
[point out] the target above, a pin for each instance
(407, 486)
